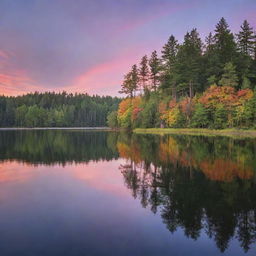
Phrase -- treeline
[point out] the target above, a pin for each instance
(193, 83)
(55, 110)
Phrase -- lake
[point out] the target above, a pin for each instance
(77, 192)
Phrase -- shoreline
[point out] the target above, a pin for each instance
(53, 128)
(198, 132)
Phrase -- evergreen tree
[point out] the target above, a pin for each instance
(254, 47)
(200, 117)
(155, 68)
(130, 83)
(224, 41)
(144, 72)
(169, 53)
(229, 77)
(189, 63)
(209, 40)
(135, 78)
(212, 80)
(220, 117)
(245, 39)
(112, 119)
(246, 84)
(211, 62)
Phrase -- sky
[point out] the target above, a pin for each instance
(87, 46)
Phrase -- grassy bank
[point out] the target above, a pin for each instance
(194, 131)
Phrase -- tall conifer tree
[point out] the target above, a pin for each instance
(245, 39)
(169, 54)
(144, 73)
(155, 67)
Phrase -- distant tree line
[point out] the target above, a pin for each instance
(164, 90)
(55, 110)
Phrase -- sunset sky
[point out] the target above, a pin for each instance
(88, 45)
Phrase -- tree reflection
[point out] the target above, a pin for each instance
(57, 146)
(197, 183)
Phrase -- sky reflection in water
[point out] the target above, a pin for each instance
(122, 195)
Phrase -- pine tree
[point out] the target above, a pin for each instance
(211, 63)
(144, 72)
(188, 63)
(224, 41)
(246, 83)
(135, 78)
(155, 67)
(229, 77)
(245, 39)
(130, 83)
(169, 53)
(200, 117)
(254, 47)
(126, 86)
(209, 40)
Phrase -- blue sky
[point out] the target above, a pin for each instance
(87, 46)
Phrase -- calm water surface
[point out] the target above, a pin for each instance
(66, 192)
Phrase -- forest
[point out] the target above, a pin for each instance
(198, 83)
(51, 109)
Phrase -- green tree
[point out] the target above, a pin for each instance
(224, 42)
(155, 67)
(188, 63)
(20, 114)
(246, 83)
(135, 78)
(211, 63)
(144, 73)
(200, 117)
(130, 83)
(229, 77)
(149, 116)
(32, 118)
(220, 117)
(112, 119)
(245, 39)
(212, 80)
(169, 54)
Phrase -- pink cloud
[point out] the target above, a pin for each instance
(5, 54)
(103, 176)
(16, 82)
(107, 77)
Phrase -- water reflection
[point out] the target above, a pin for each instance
(57, 146)
(200, 185)
(197, 183)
